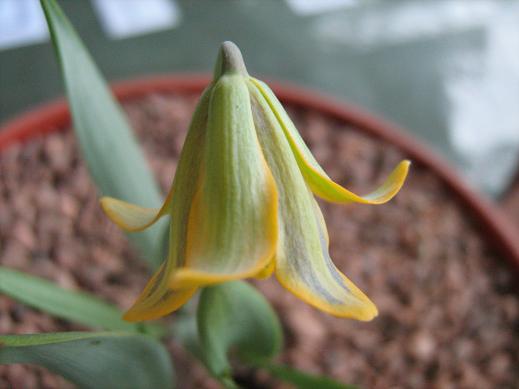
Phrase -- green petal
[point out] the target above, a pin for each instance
(157, 298)
(314, 175)
(303, 264)
(232, 231)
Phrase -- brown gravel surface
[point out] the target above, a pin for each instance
(448, 309)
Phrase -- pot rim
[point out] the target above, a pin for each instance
(501, 233)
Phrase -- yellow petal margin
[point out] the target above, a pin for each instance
(302, 263)
(316, 178)
(131, 217)
(233, 228)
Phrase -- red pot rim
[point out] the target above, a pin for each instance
(502, 234)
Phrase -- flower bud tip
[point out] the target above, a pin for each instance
(229, 60)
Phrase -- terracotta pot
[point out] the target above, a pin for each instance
(501, 233)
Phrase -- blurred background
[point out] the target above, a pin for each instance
(446, 71)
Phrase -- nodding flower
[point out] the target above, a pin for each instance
(241, 204)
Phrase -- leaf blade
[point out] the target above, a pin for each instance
(79, 307)
(107, 143)
(235, 315)
(94, 360)
(304, 380)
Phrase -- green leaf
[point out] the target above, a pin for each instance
(303, 380)
(235, 316)
(184, 328)
(107, 143)
(94, 360)
(77, 307)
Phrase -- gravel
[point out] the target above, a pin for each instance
(449, 311)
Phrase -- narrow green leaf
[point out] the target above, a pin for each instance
(303, 380)
(108, 146)
(234, 316)
(94, 360)
(78, 307)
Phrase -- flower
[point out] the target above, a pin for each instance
(241, 204)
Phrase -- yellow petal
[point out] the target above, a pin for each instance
(313, 277)
(325, 188)
(232, 231)
(316, 178)
(267, 271)
(131, 217)
(156, 300)
(303, 265)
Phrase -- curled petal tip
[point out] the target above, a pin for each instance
(314, 175)
(369, 312)
(325, 188)
(131, 217)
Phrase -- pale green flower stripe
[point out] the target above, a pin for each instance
(232, 230)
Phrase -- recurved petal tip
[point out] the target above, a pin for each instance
(130, 217)
(229, 61)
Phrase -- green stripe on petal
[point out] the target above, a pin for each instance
(303, 264)
(316, 178)
(233, 222)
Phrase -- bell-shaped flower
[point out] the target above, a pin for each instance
(241, 204)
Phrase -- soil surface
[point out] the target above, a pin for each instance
(449, 312)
